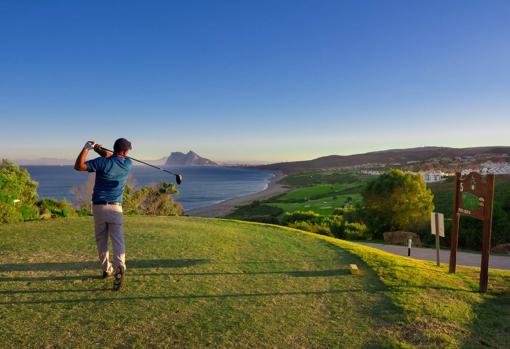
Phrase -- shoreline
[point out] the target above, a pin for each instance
(225, 207)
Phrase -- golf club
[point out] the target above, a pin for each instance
(178, 177)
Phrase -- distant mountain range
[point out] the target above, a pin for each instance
(189, 159)
(414, 158)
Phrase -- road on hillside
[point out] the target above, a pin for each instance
(429, 254)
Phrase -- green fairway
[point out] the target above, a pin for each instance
(320, 192)
(198, 283)
(317, 191)
(325, 205)
(320, 198)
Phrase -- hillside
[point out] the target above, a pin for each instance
(196, 283)
(189, 159)
(400, 157)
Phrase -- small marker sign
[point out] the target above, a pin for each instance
(437, 223)
(437, 229)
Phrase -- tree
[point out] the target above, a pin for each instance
(83, 194)
(397, 201)
(18, 194)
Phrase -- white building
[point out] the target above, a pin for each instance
(370, 172)
(430, 177)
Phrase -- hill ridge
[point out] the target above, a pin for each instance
(394, 156)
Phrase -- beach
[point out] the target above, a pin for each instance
(225, 207)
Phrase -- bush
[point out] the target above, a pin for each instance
(355, 231)
(16, 184)
(83, 194)
(334, 225)
(322, 229)
(154, 200)
(49, 208)
(301, 216)
(257, 212)
(84, 211)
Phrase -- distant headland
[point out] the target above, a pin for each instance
(189, 159)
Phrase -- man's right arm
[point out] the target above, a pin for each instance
(79, 164)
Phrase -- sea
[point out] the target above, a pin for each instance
(201, 186)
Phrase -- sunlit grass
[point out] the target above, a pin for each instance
(198, 283)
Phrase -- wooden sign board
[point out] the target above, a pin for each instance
(475, 185)
(481, 189)
(437, 225)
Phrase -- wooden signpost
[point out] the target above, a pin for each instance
(483, 189)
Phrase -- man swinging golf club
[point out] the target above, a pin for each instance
(112, 171)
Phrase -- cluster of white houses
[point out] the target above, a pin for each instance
(488, 167)
(428, 177)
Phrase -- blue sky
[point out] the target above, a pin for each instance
(252, 80)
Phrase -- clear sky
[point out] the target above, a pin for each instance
(252, 80)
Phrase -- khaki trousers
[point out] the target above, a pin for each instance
(109, 221)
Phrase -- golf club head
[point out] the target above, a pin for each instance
(178, 179)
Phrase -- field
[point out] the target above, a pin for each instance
(325, 191)
(321, 192)
(320, 198)
(199, 283)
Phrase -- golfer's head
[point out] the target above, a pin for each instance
(122, 146)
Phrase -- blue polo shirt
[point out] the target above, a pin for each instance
(111, 177)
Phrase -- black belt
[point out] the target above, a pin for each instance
(107, 203)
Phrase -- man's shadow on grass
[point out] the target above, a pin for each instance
(67, 266)
(120, 297)
(140, 264)
(80, 266)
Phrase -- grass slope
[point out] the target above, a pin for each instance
(198, 283)
(191, 283)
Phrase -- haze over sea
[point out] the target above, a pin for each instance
(202, 186)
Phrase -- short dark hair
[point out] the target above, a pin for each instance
(121, 144)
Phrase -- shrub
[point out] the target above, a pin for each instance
(355, 231)
(153, 200)
(16, 184)
(301, 216)
(257, 212)
(84, 211)
(50, 208)
(83, 193)
(322, 229)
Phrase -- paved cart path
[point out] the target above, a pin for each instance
(429, 254)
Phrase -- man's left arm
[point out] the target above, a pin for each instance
(104, 153)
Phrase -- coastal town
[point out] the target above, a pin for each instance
(437, 175)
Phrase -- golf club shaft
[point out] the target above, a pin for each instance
(143, 162)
